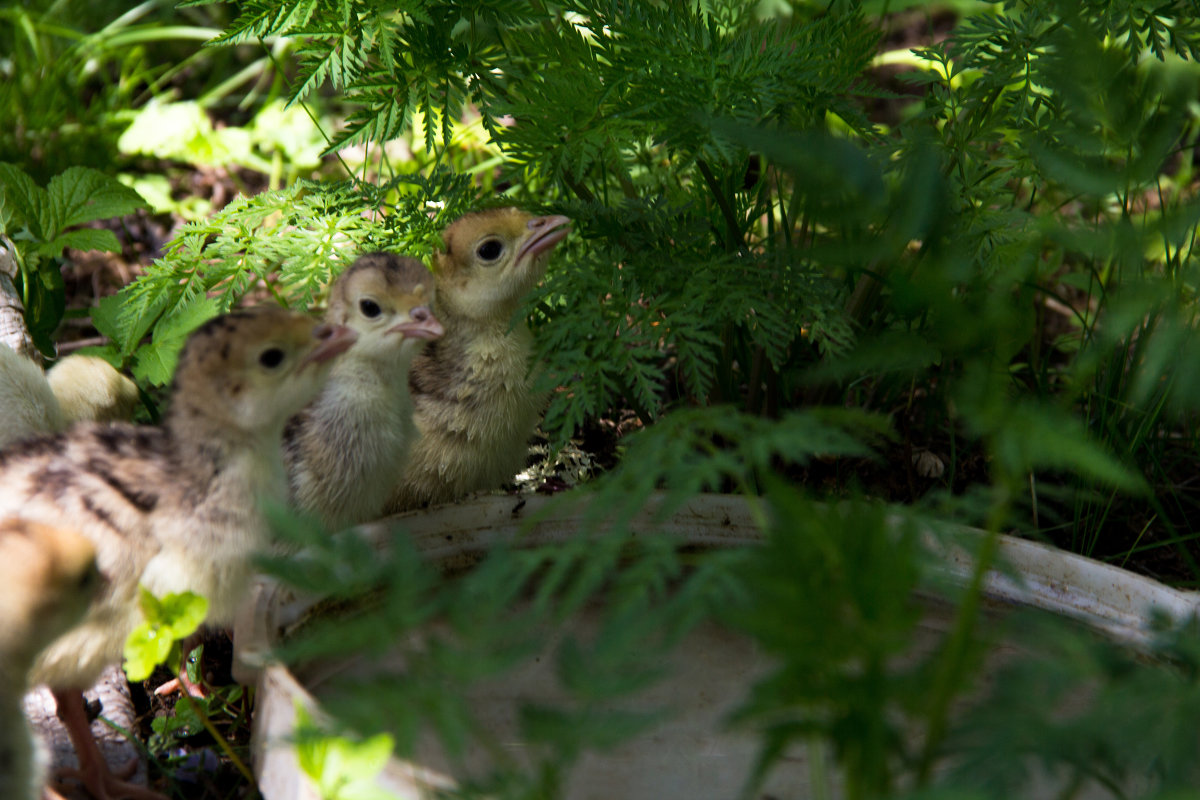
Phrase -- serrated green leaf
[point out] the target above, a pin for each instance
(24, 202)
(165, 130)
(185, 719)
(132, 317)
(222, 147)
(156, 362)
(1080, 173)
(312, 746)
(1037, 436)
(150, 605)
(193, 662)
(574, 731)
(81, 194)
(291, 131)
(84, 239)
(104, 316)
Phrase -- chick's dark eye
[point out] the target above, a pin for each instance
(489, 249)
(369, 308)
(271, 358)
(89, 578)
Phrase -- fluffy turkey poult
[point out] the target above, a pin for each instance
(472, 391)
(89, 389)
(48, 577)
(344, 451)
(28, 406)
(173, 508)
(78, 388)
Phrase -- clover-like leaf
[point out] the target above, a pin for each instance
(168, 620)
(342, 768)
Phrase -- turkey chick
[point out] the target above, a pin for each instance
(345, 450)
(77, 388)
(472, 390)
(173, 508)
(48, 576)
(28, 406)
(89, 388)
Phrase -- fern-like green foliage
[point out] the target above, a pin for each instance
(1059, 127)
(287, 244)
(834, 604)
(1137, 714)
(606, 111)
(839, 596)
(720, 449)
(73, 70)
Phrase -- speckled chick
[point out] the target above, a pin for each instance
(28, 406)
(48, 576)
(472, 390)
(345, 450)
(174, 508)
(89, 388)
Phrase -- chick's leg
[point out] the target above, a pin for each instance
(93, 770)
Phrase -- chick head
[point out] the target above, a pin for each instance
(386, 300)
(48, 576)
(492, 258)
(252, 369)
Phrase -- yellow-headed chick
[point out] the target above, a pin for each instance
(89, 388)
(28, 406)
(76, 389)
(344, 451)
(48, 577)
(173, 508)
(472, 390)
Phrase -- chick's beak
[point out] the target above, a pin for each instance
(422, 325)
(544, 233)
(334, 340)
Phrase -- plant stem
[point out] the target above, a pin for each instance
(226, 748)
(579, 189)
(952, 668)
(733, 240)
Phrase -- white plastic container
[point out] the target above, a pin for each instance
(693, 756)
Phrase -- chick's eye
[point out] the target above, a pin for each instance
(89, 578)
(489, 249)
(271, 358)
(369, 308)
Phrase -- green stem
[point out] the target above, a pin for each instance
(225, 746)
(579, 189)
(734, 238)
(952, 668)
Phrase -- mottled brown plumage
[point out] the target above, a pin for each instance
(48, 576)
(472, 391)
(345, 450)
(173, 508)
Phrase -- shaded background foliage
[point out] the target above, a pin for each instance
(957, 280)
